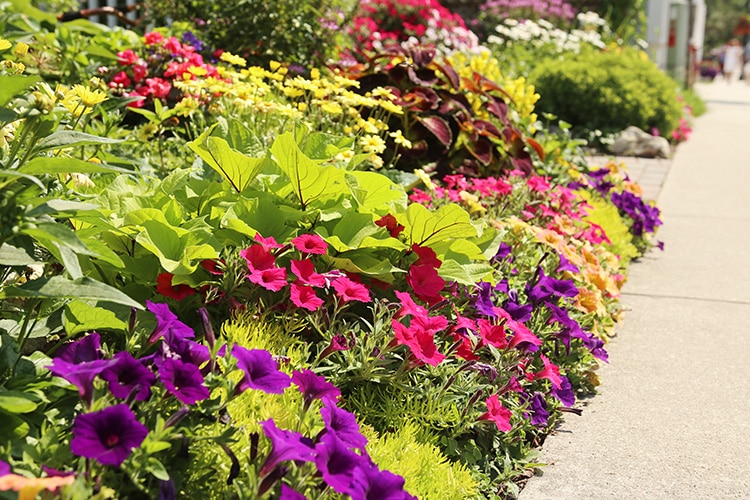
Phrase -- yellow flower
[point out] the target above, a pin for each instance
(21, 49)
(425, 179)
(315, 74)
(4, 44)
(274, 65)
(198, 70)
(372, 144)
(89, 98)
(332, 108)
(233, 59)
(398, 138)
(375, 161)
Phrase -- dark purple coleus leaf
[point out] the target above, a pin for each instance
(438, 127)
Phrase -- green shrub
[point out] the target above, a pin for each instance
(608, 91)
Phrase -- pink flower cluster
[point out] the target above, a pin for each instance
(151, 75)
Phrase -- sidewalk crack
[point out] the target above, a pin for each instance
(686, 297)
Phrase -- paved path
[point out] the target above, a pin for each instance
(672, 420)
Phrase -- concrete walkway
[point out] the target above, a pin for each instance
(672, 419)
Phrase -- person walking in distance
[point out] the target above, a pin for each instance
(733, 55)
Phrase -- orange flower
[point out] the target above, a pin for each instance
(28, 488)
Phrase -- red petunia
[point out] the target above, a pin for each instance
(493, 335)
(426, 256)
(391, 224)
(305, 271)
(310, 243)
(550, 371)
(349, 290)
(273, 279)
(420, 341)
(497, 413)
(165, 287)
(258, 258)
(426, 283)
(305, 297)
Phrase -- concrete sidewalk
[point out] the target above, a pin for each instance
(672, 419)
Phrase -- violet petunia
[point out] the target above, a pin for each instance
(167, 323)
(289, 494)
(285, 445)
(107, 436)
(80, 375)
(342, 423)
(4, 468)
(370, 483)
(564, 393)
(186, 350)
(337, 463)
(566, 265)
(483, 299)
(538, 410)
(128, 375)
(314, 386)
(86, 349)
(261, 371)
(183, 380)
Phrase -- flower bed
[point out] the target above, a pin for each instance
(372, 280)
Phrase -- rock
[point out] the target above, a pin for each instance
(635, 142)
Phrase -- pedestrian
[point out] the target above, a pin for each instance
(733, 55)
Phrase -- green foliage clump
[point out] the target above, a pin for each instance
(605, 214)
(427, 472)
(608, 91)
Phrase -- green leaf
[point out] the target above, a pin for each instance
(425, 227)
(60, 206)
(13, 427)
(179, 250)
(240, 170)
(59, 287)
(57, 165)
(309, 180)
(17, 402)
(70, 138)
(256, 215)
(157, 469)
(81, 317)
(351, 230)
(364, 263)
(373, 191)
(12, 85)
(466, 274)
(70, 261)
(14, 256)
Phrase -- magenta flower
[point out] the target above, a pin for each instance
(273, 278)
(80, 375)
(408, 306)
(337, 463)
(258, 258)
(310, 243)
(86, 349)
(304, 296)
(314, 386)
(285, 445)
(4, 468)
(370, 483)
(267, 243)
(183, 380)
(349, 290)
(261, 371)
(289, 494)
(420, 341)
(426, 283)
(550, 371)
(344, 424)
(128, 375)
(107, 436)
(497, 413)
(167, 323)
(305, 271)
(564, 393)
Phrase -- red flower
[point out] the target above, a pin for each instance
(497, 413)
(158, 87)
(310, 243)
(126, 57)
(273, 279)
(426, 256)
(139, 72)
(391, 224)
(550, 371)
(408, 306)
(305, 297)
(212, 266)
(122, 79)
(349, 290)
(492, 334)
(267, 243)
(258, 258)
(305, 271)
(426, 283)
(178, 292)
(154, 38)
(420, 341)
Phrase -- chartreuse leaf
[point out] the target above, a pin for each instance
(256, 215)
(309, 180)
(238, 169)
(351, 230)
(13, 427)
(81, 317)
(427, 228)
(364, 263)
(63, 165)
(466, 274)
(373, 191)
(11, 85)
(179, 250)
(59, 287)
(17, 402)
(69, 138)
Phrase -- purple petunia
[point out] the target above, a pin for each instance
(4, 468)
(80, 375)
(314, 386)
(565, 393)
(550, 289)
(289, 494)
(285, 445)
(128, 375)
(108, 435)
(342, 423)
(483, 300)
(183, 380)
(337, 463)
(261, 371)
(538, 410)
(167, 323)
(86, 349)
(370, 483)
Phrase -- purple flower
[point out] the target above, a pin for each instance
(285, 445)
(370, 483)
(596, 347)
(337, 463)
(188, 351)
(518, 312)
(86, 349)
(80, 375)
(127, 375)
(4, 468)
(483, 300)
(107, 436)
(261, 371)
(189, 38)
(566, 265)
(183, 380)
(314, 386)
(565, 393)
(547, 287)
(342, 423)
(289, 494)
(538, 407)
(167, 324)
(502, 252)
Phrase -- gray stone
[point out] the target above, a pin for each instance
(635, 142)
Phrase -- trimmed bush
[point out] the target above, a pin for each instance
(608, 91)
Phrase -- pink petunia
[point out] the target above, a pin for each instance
(153, 38)
(497, 413)
(267, 243)
(420, 341)
(126, 57)
(426, 283)
(273, 278)
(305, 271)
(348, 290)
(550, 371)
(258, 258)
(493, 335)
(538, 184)
(310, 243)
(408, 306)
(304, 297)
